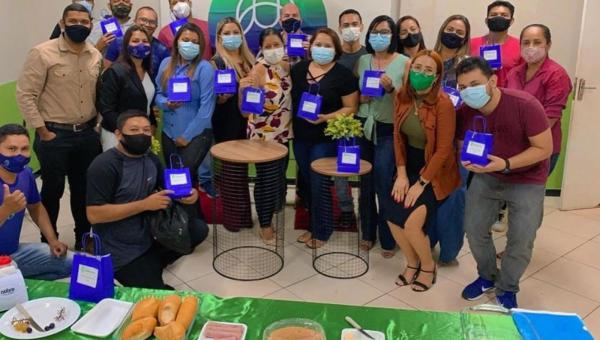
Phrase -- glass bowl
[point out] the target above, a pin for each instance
(291, 329)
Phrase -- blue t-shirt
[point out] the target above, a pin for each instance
(159, 52)
(10, 231)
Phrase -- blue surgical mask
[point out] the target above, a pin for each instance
(475, 96)
(380, 42)
(139, 51)
(232, 42)
(188, 50)
(322, 55)
(14, 164)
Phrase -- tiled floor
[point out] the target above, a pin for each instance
(564, 274)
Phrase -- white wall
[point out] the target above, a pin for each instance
(562, 17)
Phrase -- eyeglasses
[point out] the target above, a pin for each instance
(148, 22)
(382, 32)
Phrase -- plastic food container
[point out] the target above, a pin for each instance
(290, 329)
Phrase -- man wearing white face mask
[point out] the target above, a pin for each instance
(351, 27)
(182, 9)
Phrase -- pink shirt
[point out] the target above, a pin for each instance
(551, 85)
(517, 117)
(166, 37)
(511, 55)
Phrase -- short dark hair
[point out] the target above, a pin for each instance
(148, 8)
(76, 7)
(499, 3)
(334, 36)
(544, 29)
(267, 32)
(393, 27)
(11, 130)
(125, 116)
(469, 64)
(349, 11)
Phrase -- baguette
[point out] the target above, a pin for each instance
(144, 308)
(139, 330)
(172, 331)
(187, 311)
(167, 310)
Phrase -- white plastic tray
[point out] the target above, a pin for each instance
(103, 319)
(356, 335)
(202, 337)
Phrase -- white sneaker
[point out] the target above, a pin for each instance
(501, 225)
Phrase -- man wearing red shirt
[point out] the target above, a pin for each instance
(516, 174)
(500, 16)
(183, 9)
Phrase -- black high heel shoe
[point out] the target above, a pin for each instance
(421, 286)
(404, 281)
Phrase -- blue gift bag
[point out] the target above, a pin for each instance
(180, 89)
(111, 25)
(225, 81)
(492, 54)
(177, 179)
(294, 45)
(176, 25)
(253, 100)
(310, 104)
(92, 277)
(348, 156)
(371, 84)
(477, 145)
(454, 96)
(534, 325)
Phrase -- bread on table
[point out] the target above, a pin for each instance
(140, 329)
(144, 308)
(168, 308)
(187, 311)
(172, 331)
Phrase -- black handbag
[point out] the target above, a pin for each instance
(170, 228)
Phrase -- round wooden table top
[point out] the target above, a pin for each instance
(249, 151)
(328, 167)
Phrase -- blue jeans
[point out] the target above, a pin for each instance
(447, 227)
(36, 261)
(306, 152)
(377, 183)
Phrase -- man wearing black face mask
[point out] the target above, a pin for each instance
(120, 9)
(123, 183)
(500, 16)
(56, 93)
(290, 21)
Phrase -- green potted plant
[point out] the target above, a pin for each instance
(345, 129)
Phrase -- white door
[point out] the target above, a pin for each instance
(581, 181)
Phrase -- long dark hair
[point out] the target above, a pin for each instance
(170, 69)
(400, 21)
(126, 58)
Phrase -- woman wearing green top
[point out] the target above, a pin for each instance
(377, 113)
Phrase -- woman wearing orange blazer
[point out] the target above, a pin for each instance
(427, 171)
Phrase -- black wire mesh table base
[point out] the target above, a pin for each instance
(336, 239)
(241, 251)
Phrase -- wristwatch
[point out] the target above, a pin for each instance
(392, 90)
(422, 182)
(506, 167)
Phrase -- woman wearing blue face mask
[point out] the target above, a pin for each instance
(127, 84)
(233, 54)
(376, 114)
(187, 129)
(338, 90)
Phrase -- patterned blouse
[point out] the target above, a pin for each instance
(275, 124)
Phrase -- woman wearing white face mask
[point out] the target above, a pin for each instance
(272, 74)
(182, 9)
(233, 54)
(338, 89)
(543, 78)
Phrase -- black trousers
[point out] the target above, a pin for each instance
(68, 155)
(146, 271)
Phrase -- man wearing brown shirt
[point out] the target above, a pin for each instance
(56, 93)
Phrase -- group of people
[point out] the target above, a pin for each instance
(84, 93)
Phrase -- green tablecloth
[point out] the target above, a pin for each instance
(257, 314)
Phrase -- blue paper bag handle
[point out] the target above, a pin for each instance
(310, 87)
(483, 123)
(176, 157)
(97, 243)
